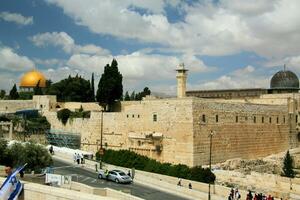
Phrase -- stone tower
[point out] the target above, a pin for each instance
(181, 80)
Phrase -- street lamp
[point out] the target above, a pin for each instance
(101, 150)
(210, 147)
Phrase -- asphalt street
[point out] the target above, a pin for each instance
(89, 177)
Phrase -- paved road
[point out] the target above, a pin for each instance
(89, 177)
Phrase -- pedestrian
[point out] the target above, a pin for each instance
(51, 150)
(230, 197)
(237, 195)
(82, 158)
(269, 197)
(179, 182)
(78, 158)
(190, 186)
(249, 195)
(106, 173)
(129, 174)
(75, 157)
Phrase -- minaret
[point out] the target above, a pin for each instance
(181, 80)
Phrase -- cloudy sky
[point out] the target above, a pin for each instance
(223, 43)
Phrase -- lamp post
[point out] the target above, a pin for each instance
(101, 151)
(210, 147)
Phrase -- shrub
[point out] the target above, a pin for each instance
(288, 166)
(130, 159)
(63, 115)
(17, 154)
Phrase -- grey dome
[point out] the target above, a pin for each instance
(284, 79)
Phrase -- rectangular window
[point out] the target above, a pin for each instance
(138, 116)
(284, 119)
(132, 116)
(262, 119)
(277, 120)
(155, 117)
(254, 119)
(296, 118)
(217, 118)
(236, 119)
(270, 120)
(203, 118)
(127, 116)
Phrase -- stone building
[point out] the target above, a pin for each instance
(177, 130)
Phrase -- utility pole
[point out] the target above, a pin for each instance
(101, 151)
(210, 147)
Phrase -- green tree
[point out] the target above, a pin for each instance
(93, 88)
(48, 86)
(110, 86)
(132, 96)
(37, 89)
(288, 166)
(2, 94)
(13, 94)
(72, 89)
(127, 97)
(36, 156)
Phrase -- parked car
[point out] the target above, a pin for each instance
(117, 176)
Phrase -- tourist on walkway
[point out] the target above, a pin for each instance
(249, 196)
(237, 195)
(179, 182)
(190, 186)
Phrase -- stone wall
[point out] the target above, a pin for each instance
(8, 106)
(241, 130)
(173, 130)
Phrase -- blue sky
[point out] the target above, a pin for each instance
(224, 44)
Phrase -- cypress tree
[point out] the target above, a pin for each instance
(127, 97)
(288, 166)
(37, 89)
(110, 86)
(93, 87)
(13, 94)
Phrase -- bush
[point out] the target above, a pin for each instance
(130, 159)
(64, 115)
(36, 156)
(288, 166)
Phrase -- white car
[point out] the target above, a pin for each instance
(117, 176)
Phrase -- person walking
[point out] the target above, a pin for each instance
(179, 182)
(190, 186)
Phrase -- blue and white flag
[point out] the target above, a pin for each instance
(12, 187)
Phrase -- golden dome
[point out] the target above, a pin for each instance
(31, 79)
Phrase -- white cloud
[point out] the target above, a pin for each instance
(246, 77)
(16, 18)
(269, 28)
(62, 39)
(49, 62)
(11, 61)
(139, 65)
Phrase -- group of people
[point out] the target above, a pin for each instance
(179, 184)
(259, 196)
(235, 195)
(78, 158)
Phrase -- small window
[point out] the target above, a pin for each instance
(132, 116)
(203, 118)
(254, 119)
(270, 120)
(284, 119)
(296, 118)
(236, 119)
(127, 116)
(217, 118)
(277, 120)
(155, 117)
(138, 116)
(41, 106)
(246, 118)
(262, 120)
(139, 143)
